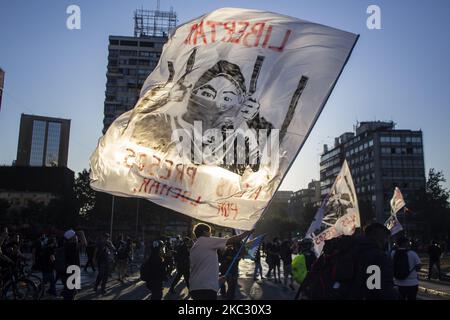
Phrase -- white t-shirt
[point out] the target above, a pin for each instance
(205, 263)
(412, 279)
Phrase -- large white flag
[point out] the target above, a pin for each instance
(224, 114)
(339, 213)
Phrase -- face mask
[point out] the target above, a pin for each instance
(210, 113)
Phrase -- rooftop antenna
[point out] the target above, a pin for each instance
(154, 23)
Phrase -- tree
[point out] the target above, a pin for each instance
(432, 204)
(84, 194)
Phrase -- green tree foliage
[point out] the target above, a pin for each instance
(84, 194)
(432, 204)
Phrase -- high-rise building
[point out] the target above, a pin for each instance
(380, 158)
(308, 196)
(132, 59)
(43, 141)
(2, 83)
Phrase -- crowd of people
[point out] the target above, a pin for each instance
(209, 266)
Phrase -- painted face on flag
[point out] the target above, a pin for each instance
(217, 97)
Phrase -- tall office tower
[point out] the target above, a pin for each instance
(132, 59)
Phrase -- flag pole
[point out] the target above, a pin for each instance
(112, 217)
(404, 221)
(235, 258)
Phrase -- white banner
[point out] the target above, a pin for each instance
(224, 114)
(339, 214)
(397, 201)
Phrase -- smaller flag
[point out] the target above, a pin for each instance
(397, 201)
(393, 225)
(252, 246)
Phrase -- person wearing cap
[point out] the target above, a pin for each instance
(204, 273)
(72, 257)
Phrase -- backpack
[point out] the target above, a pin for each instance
(401, 264)
(334, 274)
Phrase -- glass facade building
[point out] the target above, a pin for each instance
(43, 141)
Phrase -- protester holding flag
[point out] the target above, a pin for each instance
(340, 273)
(204, 274)
(339, 213)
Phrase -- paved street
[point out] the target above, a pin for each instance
(134, 289)
(248, 289)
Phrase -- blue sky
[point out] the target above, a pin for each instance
(400, 73)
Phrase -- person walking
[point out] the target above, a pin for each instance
(72, 258)
(182, 264)
(102, 258)
(286, 257)
(48, 265)
(276, 260)
(154, 269)
(406, 264)
(90, 250)
(258, 265)
(434, 254)
(123, 257)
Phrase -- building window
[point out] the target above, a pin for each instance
(53, 140)
(37, 143)
(128, 43)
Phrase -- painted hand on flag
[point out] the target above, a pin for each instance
(250, 109)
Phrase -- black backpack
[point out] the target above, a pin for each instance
(333, 276)
(401, 264)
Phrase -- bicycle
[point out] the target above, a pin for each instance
(17, 287)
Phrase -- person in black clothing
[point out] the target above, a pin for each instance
(102, 256)
(48, 265)
(286, 257)
(275, 252)
(123, 257)
(155, 271)
(71, 257)
(90, 250)
(372, 251)
(269, 259)
(232, 277)
(258, 266)
(182, 264)
(434, 253)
